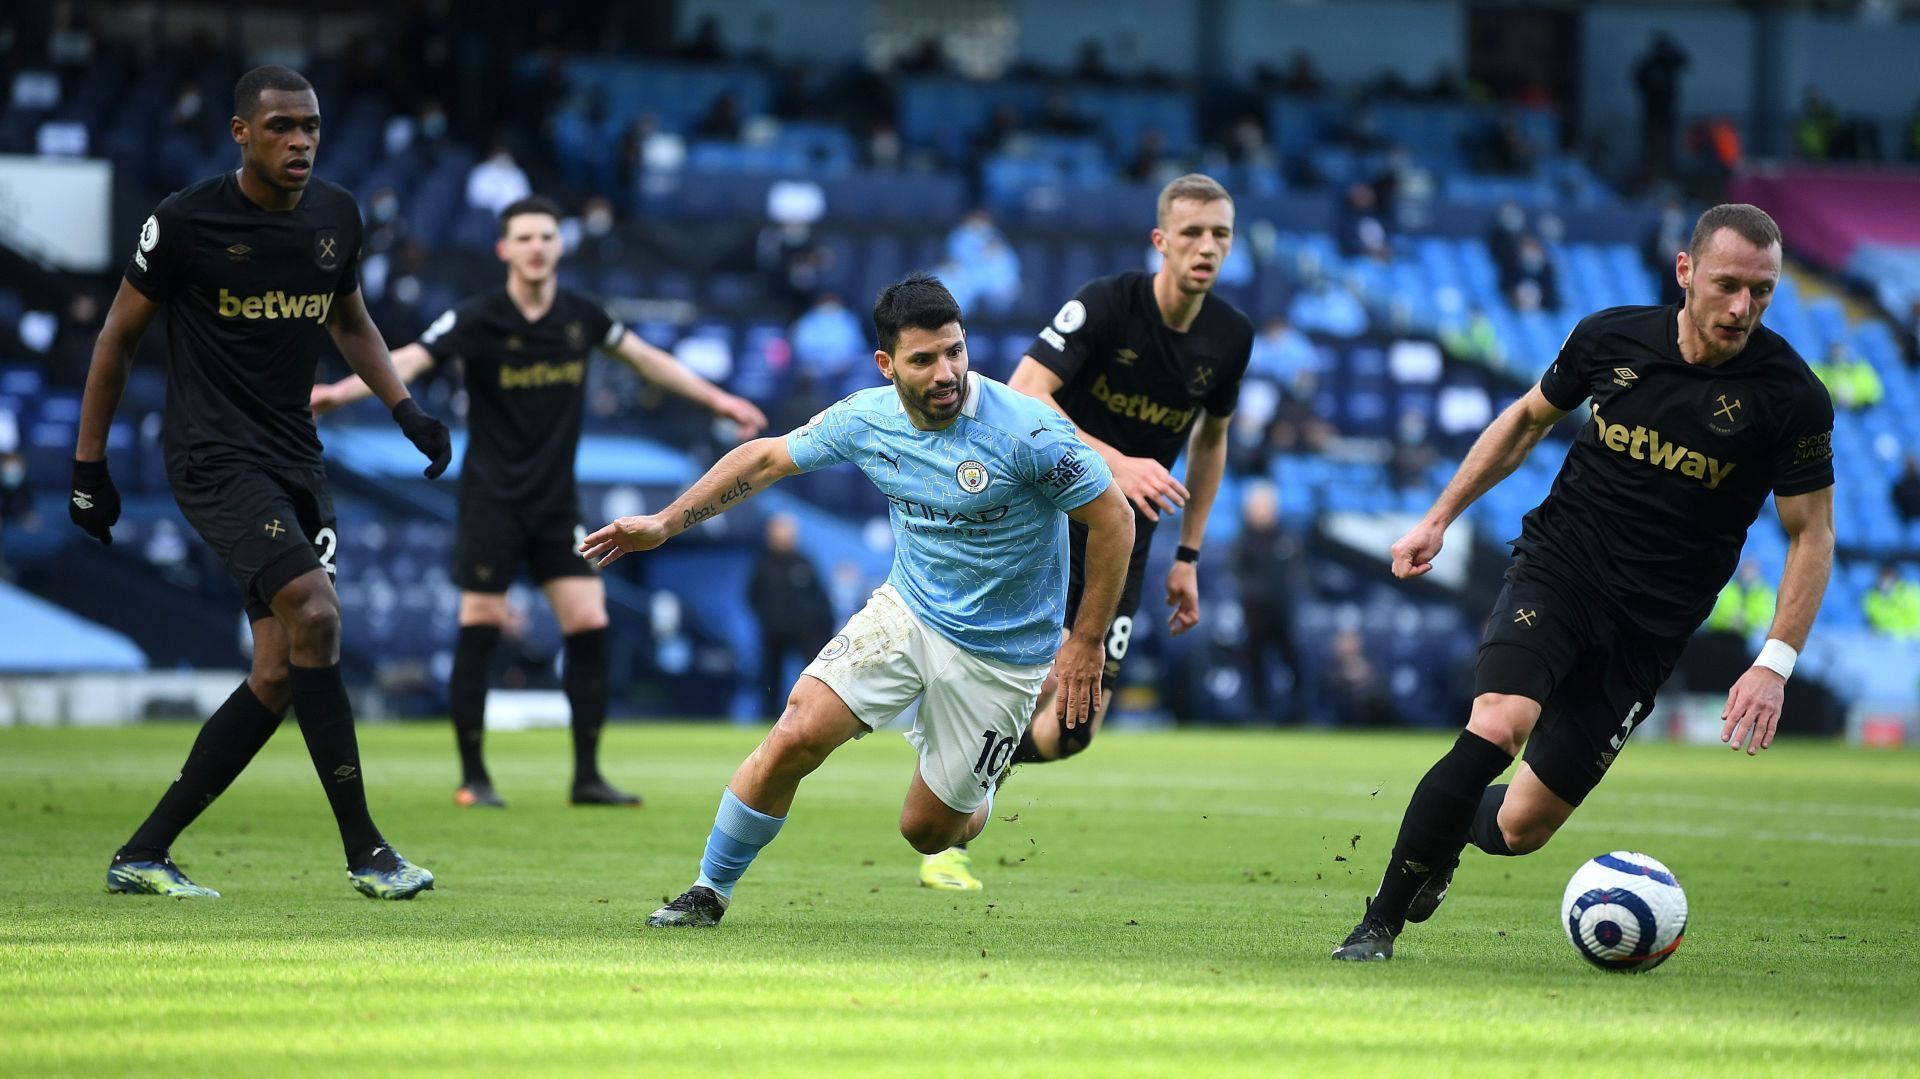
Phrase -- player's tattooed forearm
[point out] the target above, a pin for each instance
(739, 490)
(696, 514)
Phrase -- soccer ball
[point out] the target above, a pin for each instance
(1624, 911)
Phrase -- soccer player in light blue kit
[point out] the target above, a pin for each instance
(981, 480)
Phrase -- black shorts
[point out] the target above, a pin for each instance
(1594, 675)
(1120, 631)
(495, 541)
(269, 525)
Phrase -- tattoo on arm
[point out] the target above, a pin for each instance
(740, 489)
(696, 514)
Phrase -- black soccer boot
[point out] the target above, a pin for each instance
(1371, 939)
(599, 792)
(697, 906)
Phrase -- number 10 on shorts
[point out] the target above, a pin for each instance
(994, 750)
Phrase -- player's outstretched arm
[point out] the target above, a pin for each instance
(1753, 704)
(1076, 668)
(1495, 454)
(745, 471)
(1144, 481)
(661, 369)
(1206, 463)
(366, 352)
(94, 503)
(410, 361)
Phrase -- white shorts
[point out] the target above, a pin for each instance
(972, 710)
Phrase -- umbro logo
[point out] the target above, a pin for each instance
(1624, 376)
(239, 252)
(81, 500)
(1126, 356)
(344, 773)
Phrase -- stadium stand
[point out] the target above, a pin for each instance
(1378, 225)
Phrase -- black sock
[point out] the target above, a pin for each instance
(1027, 752)
(586, 684)
(227, 741)
(467, 690)
(326, 722)
(1434, 830)
(1485, 832)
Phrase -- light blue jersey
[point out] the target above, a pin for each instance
(978, 509)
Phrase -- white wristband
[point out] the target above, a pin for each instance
(1777, 656)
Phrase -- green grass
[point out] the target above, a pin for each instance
(1163, 905)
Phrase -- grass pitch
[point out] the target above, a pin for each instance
(1163, 905)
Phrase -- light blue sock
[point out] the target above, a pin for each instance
(739, 831)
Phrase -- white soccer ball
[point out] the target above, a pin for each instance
(1624, 911)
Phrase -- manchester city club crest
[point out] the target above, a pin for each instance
(835, 648)
(972, 477)
(326, 248)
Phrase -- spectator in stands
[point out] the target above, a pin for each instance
(1281, 352)
(1150, 164)
(1670, 234)
(1814, 127)
(721, 121)
(1330, 307)
(1267, 564)
(1906, 491)
(1509, 231)
(1850, 380)
(1745, 606)
(1910, 338)
(71, 352)
(791, 604)
(1297, 421)
(705, 45)
(1059, 117)
(828, 340)
(16, 497)
(1363, 225)
(883, 147)
(1657, 76)
(1532, 283)
(982, 264)
(1353, 685)
(1473, 338)
(1090, 65)
(1413, 455)
(1893, 607)
(497, 182)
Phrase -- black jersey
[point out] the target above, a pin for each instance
(1130, 381)
(1652, 505)
(249, 292)
(526, 387)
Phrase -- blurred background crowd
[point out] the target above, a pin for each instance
(1429, 195)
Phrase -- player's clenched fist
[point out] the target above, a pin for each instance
(95, 503)
(1413, 554)
(605, 547)
(427, 434)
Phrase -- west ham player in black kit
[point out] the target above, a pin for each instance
(1144, 365)
(255, 267)
(525, 347)
(1699, 412)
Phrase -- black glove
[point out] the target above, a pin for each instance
(427, 434)
(95, 504)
